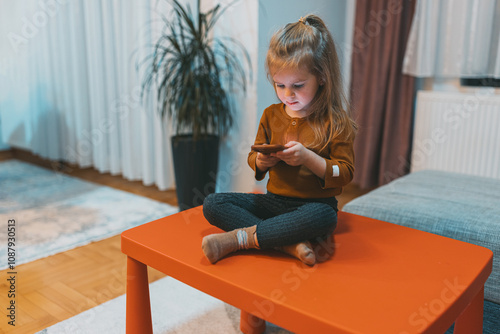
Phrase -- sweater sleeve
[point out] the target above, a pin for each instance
(340, 163)
(261, 138)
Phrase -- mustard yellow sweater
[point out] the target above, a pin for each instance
(277, 127)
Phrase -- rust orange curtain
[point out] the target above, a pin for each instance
(382, 97)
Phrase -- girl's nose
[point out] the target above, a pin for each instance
(288, 92)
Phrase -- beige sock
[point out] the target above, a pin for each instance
(302, 251)
(216, 246)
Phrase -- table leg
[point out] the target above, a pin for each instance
(471, 319)
(138, 304)
(250, 324)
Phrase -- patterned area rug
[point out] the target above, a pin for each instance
(176, 308)
(54, 212)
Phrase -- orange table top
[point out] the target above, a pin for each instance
(381, 278)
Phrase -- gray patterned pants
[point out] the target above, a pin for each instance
(280, 220)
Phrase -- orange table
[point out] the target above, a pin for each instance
(381, 278)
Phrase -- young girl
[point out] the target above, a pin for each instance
(313, 123)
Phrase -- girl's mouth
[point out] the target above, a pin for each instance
(292, 103)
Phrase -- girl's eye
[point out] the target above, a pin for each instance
(295, 86)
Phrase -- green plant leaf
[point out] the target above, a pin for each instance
(190, 70)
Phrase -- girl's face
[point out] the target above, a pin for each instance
(296, 88)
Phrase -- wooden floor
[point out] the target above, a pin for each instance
(58, 287)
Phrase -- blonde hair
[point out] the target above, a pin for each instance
(308, 43)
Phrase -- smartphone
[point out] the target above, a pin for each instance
(268, 148)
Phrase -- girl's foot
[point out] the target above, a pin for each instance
(216, 246)
(302, 251)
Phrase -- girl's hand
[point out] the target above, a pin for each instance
(266, 161)
(294, 154)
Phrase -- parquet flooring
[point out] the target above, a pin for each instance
(58, 287)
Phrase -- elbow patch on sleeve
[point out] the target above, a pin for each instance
(335, 171)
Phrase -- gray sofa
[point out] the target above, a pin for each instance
(457, 206)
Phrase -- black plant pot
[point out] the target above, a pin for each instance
(195, 166)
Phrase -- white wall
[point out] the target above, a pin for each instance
(239, 22)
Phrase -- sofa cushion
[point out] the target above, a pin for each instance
(457, 206)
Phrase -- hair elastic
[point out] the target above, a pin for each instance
(303, 20)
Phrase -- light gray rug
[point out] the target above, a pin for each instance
(176, 308)
(54, 212)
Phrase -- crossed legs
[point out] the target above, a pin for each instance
(266, 221)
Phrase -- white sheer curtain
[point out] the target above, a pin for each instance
(454, 38)
(69, 89)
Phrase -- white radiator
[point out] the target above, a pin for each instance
(457, 132)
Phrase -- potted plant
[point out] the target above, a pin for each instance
(193, 73)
